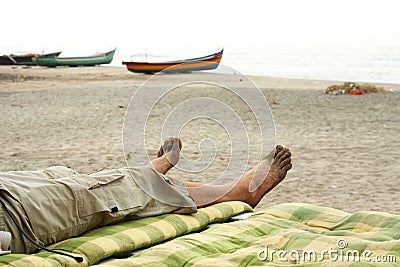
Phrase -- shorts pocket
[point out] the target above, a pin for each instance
(106, 191)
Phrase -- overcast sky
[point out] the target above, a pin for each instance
(50, 25)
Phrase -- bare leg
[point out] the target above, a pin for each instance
(268, 173)
(162, 164)
(240, 188)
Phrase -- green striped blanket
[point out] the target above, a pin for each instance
(120, 239)
(282, 235)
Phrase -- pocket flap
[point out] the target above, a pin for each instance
(106, 177)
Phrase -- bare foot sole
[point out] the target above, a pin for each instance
(167, 156)
(167, 146)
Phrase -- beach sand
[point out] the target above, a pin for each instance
(345, 148)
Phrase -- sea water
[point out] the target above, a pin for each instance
(368, 64)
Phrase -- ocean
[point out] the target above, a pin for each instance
(369, 64)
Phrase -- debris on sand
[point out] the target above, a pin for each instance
(354, 89)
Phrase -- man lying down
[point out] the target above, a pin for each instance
(45, 207)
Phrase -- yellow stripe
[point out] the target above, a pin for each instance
(279, 214)
(52, 261)
(190, 221)
(105, 243)
(326, 220)
(139, 237)
(366, 228)
(166, 228)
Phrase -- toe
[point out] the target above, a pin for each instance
(280, 154)
(285, 154)
(278, 149)
(287, 167)
(285, 162)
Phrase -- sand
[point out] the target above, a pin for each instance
(345, 148)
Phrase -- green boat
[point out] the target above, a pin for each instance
(97, 59)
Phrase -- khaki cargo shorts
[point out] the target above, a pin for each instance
(58, 203)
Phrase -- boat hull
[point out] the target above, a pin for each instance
(27, 59)
(195, 64)
(105, 58)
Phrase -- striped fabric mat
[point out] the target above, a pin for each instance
(120, 239)
(284, 235)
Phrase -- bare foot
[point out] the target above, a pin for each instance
(269, 167)
(167, 146)
(262, 178)
(167, 156)
(278, 165)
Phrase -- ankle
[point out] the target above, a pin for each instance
(161, 165)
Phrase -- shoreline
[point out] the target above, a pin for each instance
(20, 75)
(345, 148)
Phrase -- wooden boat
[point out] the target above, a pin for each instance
(193, 64)
(98, 59)
(24, 59)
